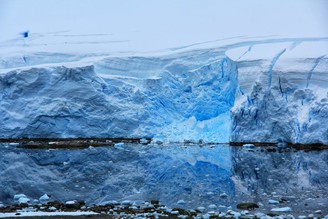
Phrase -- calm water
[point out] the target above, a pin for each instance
(199, 175)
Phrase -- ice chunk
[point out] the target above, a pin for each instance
(273, 202)
(18, 196)
(126, 202)
(282, 209)
(70, 202)
(44, 198)
(23, 200)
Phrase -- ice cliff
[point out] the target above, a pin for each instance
(282, 94)
(264, 91)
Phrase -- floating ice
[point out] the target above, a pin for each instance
(283, 209)
(44, 198)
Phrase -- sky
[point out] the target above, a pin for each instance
(172, 22)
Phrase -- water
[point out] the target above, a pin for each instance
(199, 175)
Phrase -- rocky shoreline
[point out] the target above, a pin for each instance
(129, 209)
(80, 143)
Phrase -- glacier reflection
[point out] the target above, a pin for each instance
(199, 175)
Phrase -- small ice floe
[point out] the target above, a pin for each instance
(175, 212)
(318, 212)
(211, 213)
(18, 196)
(222, 208)
(23, 200)
(223, 195)
(244, 213)
(212, 206)
(70, 202)
(282, 145)
(44, 199)
(1, 205)
(13, 144)
(248, 146)
(302, 217)
(181, 202)
(111, 202)
(260, 215)
(201, 209)
(236, 214)
(222, 214)
(273, 202)
(143, 141)
(283, 209)
(52, 208)
(133, 207)
(126, 202)
(119, 145)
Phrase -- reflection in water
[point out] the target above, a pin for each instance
(198, 175)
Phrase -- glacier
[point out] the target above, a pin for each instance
(269, 90)
(282, 94)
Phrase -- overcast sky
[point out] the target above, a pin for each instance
(166, 20)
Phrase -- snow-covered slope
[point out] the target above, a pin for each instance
(276, 90)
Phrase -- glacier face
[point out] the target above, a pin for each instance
(121, 97)
(256, 91)
(282, 94)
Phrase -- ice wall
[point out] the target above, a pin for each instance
(266, 90)
(282, 94)
(172, 98)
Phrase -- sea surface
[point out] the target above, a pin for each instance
(178, 175)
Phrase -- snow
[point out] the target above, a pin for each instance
(45, 214)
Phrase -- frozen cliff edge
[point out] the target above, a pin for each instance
(175, 98)
(256, 91)
(282, 94)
